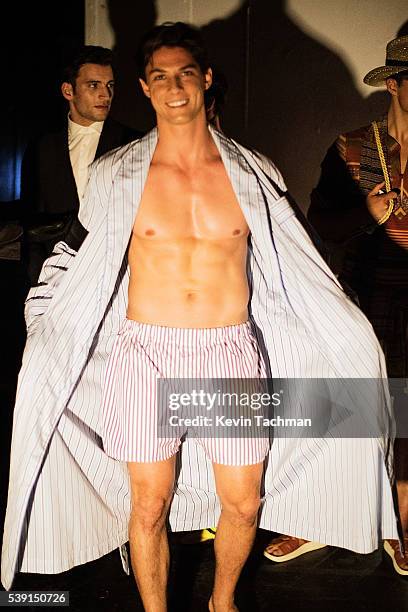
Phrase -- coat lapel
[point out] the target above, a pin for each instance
(69, 321)
(66, 332)
(58, 351)
(127, 192)
(243, 180)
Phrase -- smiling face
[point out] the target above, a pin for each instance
(91, 98)
(175, 85)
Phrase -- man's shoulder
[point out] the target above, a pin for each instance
(114, 158)
(355, 135)
(363, 133)
(49, 138)
(261, 163)
(349, 144)
(122, 133)
(46, 151)
(258, 161)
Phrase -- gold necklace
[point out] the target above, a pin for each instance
(384, 168)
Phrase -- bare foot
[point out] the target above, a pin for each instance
(283, 545)
(222, 608)
(399, 559)
(284, 548)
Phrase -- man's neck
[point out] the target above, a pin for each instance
(186, 145)
(398, 124)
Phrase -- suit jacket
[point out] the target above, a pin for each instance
(49, 197)
(47, 180)
(68, 502)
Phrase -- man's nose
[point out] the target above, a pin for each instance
(105, 92)
(175, 82)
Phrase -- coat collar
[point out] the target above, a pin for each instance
(133, 174)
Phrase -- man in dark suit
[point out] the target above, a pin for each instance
(56, 166)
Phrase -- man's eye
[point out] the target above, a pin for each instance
(159, 77)
(187, 72)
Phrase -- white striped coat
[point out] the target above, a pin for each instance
(68, 502)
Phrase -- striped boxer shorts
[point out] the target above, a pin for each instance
(142, 354)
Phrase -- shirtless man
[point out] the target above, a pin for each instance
(188, 234)
(163, 205)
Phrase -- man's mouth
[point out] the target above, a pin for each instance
(177, 103)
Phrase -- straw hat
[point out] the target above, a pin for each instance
(396, 61)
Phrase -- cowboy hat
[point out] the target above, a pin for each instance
(396, 61)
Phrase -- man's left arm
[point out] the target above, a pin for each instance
(52, 273)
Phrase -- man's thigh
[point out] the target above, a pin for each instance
(238, 483)
(152, 480)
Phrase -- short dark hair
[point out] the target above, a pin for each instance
(216, 94)
(399, 77)
(87, 54)
(172, 34)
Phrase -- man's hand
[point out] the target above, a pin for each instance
(378, 202)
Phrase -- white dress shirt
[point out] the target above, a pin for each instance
(82, 143)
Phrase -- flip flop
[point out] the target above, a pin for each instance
(196, 537)
(391, 552)
(298, 552)
(208, 534)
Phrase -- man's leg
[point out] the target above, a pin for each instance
(392, 547)
(239, 492)
(152, 489)
(401, 473)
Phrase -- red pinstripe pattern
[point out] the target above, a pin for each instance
(144, 353)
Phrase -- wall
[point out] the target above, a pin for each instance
(34, 38)
(294, 68)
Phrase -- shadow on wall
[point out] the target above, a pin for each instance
(300, 93)
(403, 31)
(34, 37)
(130, 20)
(289, 96)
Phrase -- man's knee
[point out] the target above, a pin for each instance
(149, 512)
(241, 511)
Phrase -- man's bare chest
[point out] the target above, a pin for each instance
(200, 205)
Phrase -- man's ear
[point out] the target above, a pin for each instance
(392, 86)
(208, 79)
(145, 88)
(67, 91)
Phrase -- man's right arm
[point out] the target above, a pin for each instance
(338, 209)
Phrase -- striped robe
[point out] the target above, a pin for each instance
(68, 502)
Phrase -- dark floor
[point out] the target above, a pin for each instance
(329, 579)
